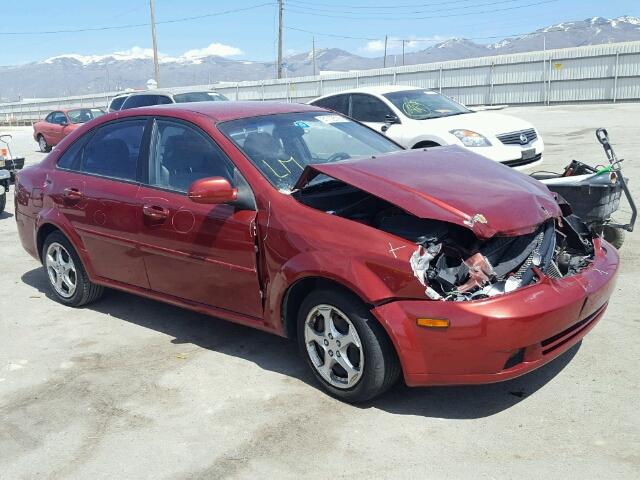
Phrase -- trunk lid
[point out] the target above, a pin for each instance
(449, 184)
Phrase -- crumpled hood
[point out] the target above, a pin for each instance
(449, 184)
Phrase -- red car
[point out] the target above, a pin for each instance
(60, 123)
(437, 264)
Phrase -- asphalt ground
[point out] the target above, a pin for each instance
(132, 388)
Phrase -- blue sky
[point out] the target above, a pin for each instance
(250, 34)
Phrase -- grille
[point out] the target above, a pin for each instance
(520, 162)
(513, 138)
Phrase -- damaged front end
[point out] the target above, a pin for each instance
(456, 267)
(475, 241)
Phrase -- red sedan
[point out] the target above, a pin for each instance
(60, 123)
(438, 265)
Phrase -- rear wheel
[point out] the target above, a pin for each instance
(347, 350)
(67, 276)
(3, 199)
(42, 143)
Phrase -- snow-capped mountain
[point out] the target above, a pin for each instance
(74, 74)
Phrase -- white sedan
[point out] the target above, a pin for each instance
(420, 118)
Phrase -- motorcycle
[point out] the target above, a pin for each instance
(9, 165)
(594, 193)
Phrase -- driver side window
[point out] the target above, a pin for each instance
(366, 108)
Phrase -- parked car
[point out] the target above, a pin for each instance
(159, 97)
(298, 221)
(60, 123)
(422, 118)
(116, 102)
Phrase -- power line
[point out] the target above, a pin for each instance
(457, 14)
(447, 9)
(380, 7)
(333, 35)
(138, 25)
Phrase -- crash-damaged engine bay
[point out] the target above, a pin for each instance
(450, 261)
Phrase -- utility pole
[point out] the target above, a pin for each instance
(384, 62)
(403, 53)
(280, 27)
(156, 66)
(313, 54)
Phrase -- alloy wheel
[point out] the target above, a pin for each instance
(42, 143)
(61, 270)
(334, 347)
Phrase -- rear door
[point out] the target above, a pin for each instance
(201, 253)
(338, 103)
(97, 184)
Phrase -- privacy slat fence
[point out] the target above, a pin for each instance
(599, 73)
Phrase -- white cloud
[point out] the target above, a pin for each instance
(219, 49)
(394, 45)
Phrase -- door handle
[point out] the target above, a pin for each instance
(155, 212)
(72, 194)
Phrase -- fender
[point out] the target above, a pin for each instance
(364, 279)
(50, 216)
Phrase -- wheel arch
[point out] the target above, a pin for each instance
(43, 232)
(426, 144)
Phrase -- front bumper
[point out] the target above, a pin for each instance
(512, 155)
(503, 337)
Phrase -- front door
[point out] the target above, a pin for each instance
(369, 110)
(201, 253)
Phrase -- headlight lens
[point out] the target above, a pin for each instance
(470, 138)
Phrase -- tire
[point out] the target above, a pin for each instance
(42, 143)
(58, 247)
(426, 144)
(375, 361)
(615, 236)
(3, 200)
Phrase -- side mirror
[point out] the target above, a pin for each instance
(212, 191)
(388, 121)
(64, 123)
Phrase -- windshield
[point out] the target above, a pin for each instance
(82, 115)
(199, 97)
(280, 146)
(423, 104)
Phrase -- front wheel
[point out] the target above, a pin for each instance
(3, 199)
(615, 236)
(347, 350)
(67, 277)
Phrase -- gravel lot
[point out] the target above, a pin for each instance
(131, 388)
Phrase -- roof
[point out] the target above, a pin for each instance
(377, 89)
(228, 110)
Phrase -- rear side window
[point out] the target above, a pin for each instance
(136, 101)
(72, 158)
(181, 154)
(339, 103)
(114, 149)
(58, 118)
(116, 103)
